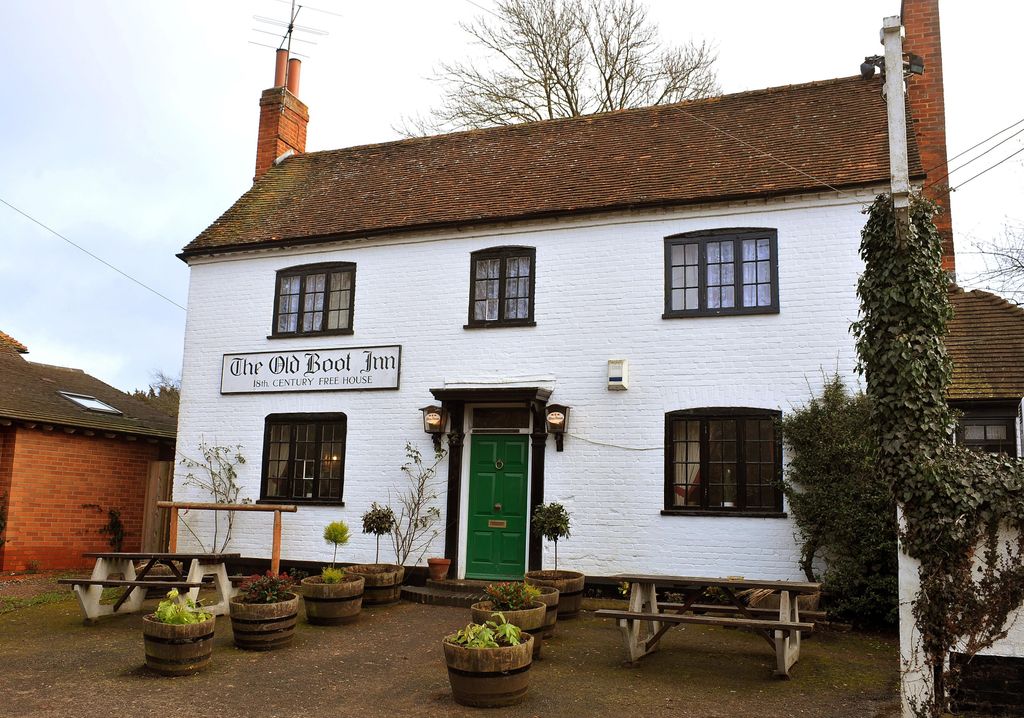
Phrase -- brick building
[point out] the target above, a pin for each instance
(72, 449)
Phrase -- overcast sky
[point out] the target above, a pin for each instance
(129, 126)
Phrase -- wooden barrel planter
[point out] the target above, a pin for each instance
(331, 604)
(569, 585)
(264, 626)
(489, 677)
(549, 597)
(530, 620)
(383, 582)
(177, 650)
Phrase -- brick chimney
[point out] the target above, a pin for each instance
(283, 116)
(927, 107)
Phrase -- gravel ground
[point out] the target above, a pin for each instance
(390, 663)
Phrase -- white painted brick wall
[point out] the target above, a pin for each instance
(599, 295)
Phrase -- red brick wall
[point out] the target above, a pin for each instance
(283, 120)
(6, 461)
(927, 106)
(52, 475)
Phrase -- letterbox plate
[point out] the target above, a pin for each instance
(496, 523)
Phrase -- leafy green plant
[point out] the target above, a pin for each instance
(843, 507)
(174, 612)
(491, 634)
(114, 528)
(268, 588)
(336, 533)
(332, 575)
(378, 520)
(551, 521)
(512, 595)
(217, 474)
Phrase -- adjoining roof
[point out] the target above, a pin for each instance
(986, 342)
(30, 392)
(831, 132)
(6, 340)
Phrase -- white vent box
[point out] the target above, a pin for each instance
(618, 374)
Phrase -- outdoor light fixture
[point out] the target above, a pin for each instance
(556, 421)
(435, 421)
(914, 65)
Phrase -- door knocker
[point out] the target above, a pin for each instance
(499, 464)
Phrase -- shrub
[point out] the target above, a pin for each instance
(551, 521)
(512, 595)
(843, 508)
(491, 634)
(269, 588)
(173, 612)
(379, 521)
(332, 575)
(336, 533)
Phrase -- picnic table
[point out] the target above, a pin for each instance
(135, 583)
(647, 620)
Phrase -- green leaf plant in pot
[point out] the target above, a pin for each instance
(489, 663)
(264, 613)
(518, 603)
(551, 522)
(334, 597)
(383, 581)
(178, 636)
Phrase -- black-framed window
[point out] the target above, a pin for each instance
(733, 271)
(726, 460)
(501, 286)
(993, 434)
(314, 299)
(304, 458)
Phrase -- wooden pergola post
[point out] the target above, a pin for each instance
(275, 554)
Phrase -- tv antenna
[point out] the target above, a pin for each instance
(290, 28)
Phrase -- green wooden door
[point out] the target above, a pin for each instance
(496, 538)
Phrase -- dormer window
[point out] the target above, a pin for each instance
(314, 299)
(89, 402)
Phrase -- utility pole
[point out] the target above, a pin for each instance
(895, 102)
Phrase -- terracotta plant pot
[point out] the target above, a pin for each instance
(530, 620)
(438, 568)
(264, 626)
(177, 650)
(549, 597)
(489, 677)
(330, 604)
(569, 585)
(383, 582)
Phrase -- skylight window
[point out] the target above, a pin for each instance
(89, 402)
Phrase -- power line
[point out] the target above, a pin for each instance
(29, 217)
(978, 157)
(995, 134)
(987, 169)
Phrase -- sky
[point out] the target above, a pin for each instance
(130, 125)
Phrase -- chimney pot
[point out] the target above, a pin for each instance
(280, 67)
(294, 65)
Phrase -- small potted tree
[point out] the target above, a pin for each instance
(551, 521)
(333, 597)
(518, 603)
(178, 637)
(383, 581)
(489, 663)
(264, 613)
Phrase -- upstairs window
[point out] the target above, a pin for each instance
(314, 299)
(988, 434)
(501, 287)
(721, 272)
(304, 458)
(723, 460)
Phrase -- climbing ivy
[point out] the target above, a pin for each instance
(963, 512)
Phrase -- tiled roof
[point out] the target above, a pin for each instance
(6, 340)
(986, 342)
(830, 132)
(29, 392)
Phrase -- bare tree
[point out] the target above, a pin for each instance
(164, 393)
(1004, 262)
(565, 58)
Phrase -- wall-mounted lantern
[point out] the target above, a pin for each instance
(556, 421)
(435, 421)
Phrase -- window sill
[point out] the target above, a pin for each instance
(730, 313)
(300, 502)
(306, 335)
(499, 324)
(724, 513)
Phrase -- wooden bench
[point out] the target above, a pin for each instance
(677, 618)
(122, 583)
(725, 608)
